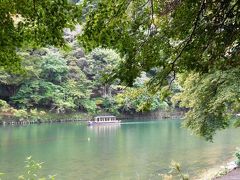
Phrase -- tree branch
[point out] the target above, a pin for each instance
(189, 39)
(170, 7)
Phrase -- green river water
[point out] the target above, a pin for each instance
(134, 150)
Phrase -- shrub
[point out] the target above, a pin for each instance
(21, 114)
(32, 170)
(3, 105)
(176, 167)
(237, 155)
(237, 122)
(36, 115)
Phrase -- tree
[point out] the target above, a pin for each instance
(32, 23)
(200, 37)
(138, 98)
(11, 81)
(39, 93)
(58, 84)
(102, 62)
(175, 36)
(54, 69)
(211, 98)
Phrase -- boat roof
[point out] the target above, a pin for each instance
(103, 116)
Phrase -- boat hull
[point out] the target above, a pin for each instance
(92, 123)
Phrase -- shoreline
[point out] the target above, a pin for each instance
(218, 172)
(233, 175)
(46, 118)
(83, 117)
(29, 122)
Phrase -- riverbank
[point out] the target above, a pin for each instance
(22, 117)
(232, 175)
(44, 118)
(220, 172)
(157, 114)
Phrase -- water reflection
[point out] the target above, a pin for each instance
(117, 151)
(104, 128)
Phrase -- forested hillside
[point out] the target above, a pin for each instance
(69, 80)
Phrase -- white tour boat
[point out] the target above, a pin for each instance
(104, 120)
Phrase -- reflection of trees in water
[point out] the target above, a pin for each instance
(105, 129)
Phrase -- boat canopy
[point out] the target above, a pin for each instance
(105, 118)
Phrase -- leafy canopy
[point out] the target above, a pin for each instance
(32, 23)
(57, 86)
(211, 98)
(174, 36)
(198, 38)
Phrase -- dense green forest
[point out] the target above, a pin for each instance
(129, 56)
(67, 81)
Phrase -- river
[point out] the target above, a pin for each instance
(133, 150)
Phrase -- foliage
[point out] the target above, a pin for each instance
(90, 106)
(176, 171)
(197, 38)
(3, 105)
(237, 155)
(173, 36)
(102, 62)
(20, 114)
(54, 69)
(237, 122)
(109, 105)
(7, 112)
(57, 86)
(30, 66)
(36, 23)
(64, 82)
(38, 92)
(77, 91)
(176, 168)
(139, 98)
(44, 94)
(211, 99)
(32, 170)
(36, 115)
(61, 82)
